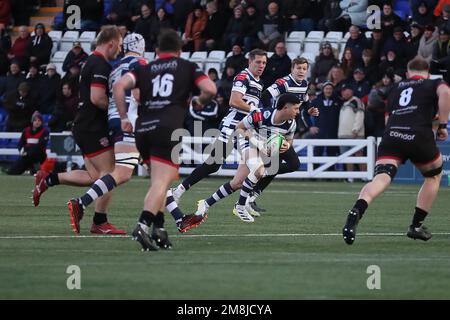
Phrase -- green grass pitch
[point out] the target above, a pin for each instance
(294, 251)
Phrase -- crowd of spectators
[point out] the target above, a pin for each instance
(357, 78)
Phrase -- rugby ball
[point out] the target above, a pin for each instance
(274, 143)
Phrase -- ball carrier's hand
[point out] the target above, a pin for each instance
(126, 125)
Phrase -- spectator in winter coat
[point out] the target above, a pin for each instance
(324, 62)
(426, 44)
(271, 28)
(32, 146)
(20, 106)
(18, 50)
(76, 56)
(65, 110)
(40, 46)
(195, 24)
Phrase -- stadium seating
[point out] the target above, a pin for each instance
(67, 40)
(216, 60)
(312, 41)
(56, 37)
(294, 41)
(199, 57)
(185, 55)
(59, 56)
(86, 39)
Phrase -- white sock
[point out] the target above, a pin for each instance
(180, 190)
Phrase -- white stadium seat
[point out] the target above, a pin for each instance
(68, 39)
(59, 56)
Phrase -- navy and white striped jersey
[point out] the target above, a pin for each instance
(288, 85)
(251, 88)
(124, 65)
(262, 122)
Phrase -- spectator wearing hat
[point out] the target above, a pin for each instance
(20, 106)
(376, 43)
(35, 82)
(19, 48)
(52, 82)
(40, 46)
(325, 125)
(440, 7)
(32, 147)
(359, 84)
(421, 13)
(414, 40)
(250, 27)
(376, 105)
(440, 56)
(76, 56)
(278, 65)
(195, 24)
(397, 43)
(357, 42)
(443, 21)
(426, 44)
(324, 62)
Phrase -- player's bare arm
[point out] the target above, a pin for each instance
(208, 91)
(99, 98)
(443, 92)
(237, 101)
(127, 82)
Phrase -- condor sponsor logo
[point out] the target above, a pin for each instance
(171, 65)
(403, 136)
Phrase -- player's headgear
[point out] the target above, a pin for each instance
(134, 42)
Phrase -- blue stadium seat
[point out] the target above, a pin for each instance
(402, 9)
(46, 118)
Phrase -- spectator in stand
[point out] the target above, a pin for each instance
(357, 42)
(215, 27)
(40, 46)
(337, 77)
(73, 78)
(353, 13)
(351, 121)
(369, 67)
(331, 12)
(181, 10)
(65, 110)
(120, 12)
(18, 51)
(324, 62)
(440, 57)
(34, 81)
(278, 65)
(19, 106)
(443, 22)
(226, 84)
(325, 125)
(426, 44)
(422, 14)
(376, 43)
(361, 87)
(135, 9)
(348, 62)
(5, 12)
(195, 24)
(271, 29)
(144, 26)
(5, 39)
(76, 56)
(397, 43)
(32, 147)
(161, 22)
(392, 64)
(13, 79)
(51, 84)
(91, 14)
(414, 40)
(237, 60)
(251, 27)
(389, 20)
(440, 6)
(297, 13)
(376, 106)
(234, 29)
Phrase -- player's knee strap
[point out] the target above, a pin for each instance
(129, 160)
(389, 169)
(432, 172)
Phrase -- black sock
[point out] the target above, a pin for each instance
(100, 218)
(200, 173)
(146, 218)
(52, 179)
(361, 205)
(158, 220)
(419, 217)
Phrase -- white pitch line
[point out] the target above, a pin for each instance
(389, 234)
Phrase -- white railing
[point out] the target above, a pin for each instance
(193, 146)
